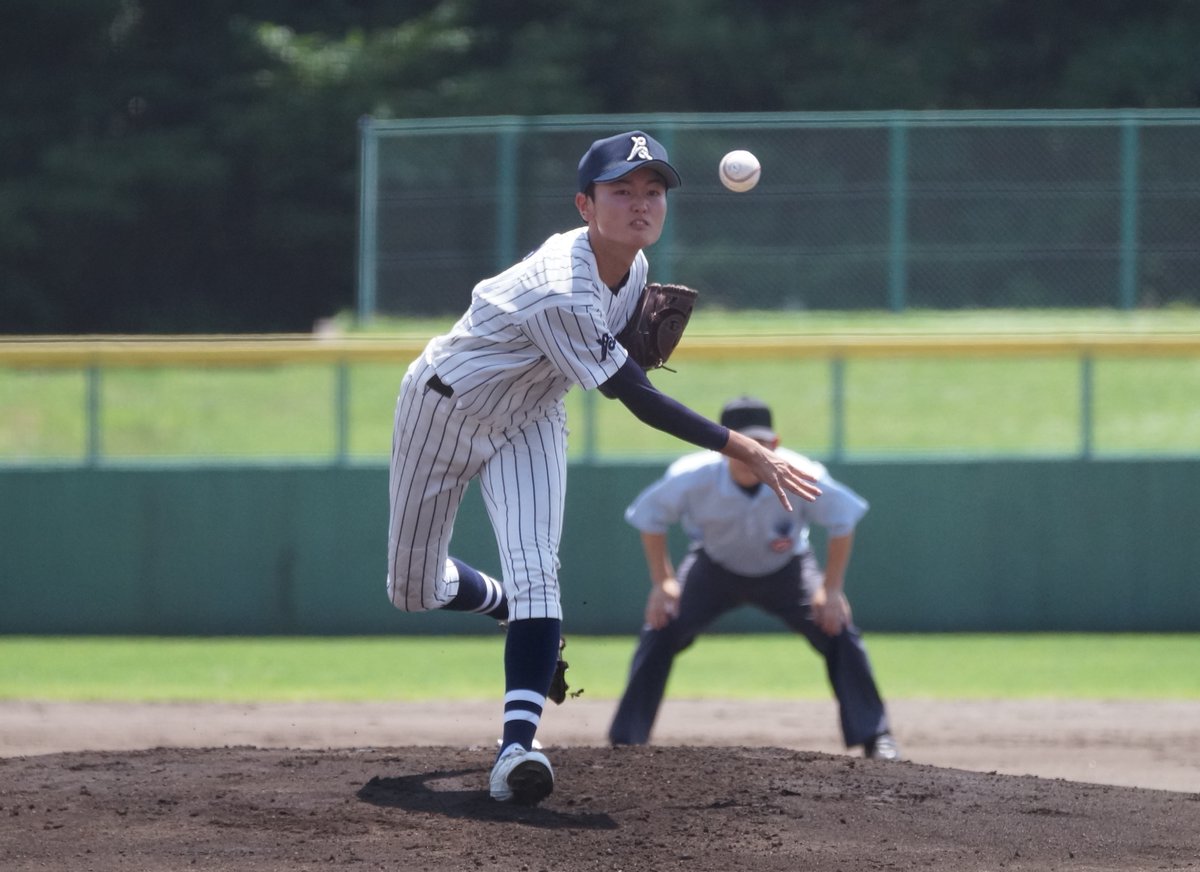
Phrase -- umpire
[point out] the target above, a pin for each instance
(747, 549)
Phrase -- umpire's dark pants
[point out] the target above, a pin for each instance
(709, 591)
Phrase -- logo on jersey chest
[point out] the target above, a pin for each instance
(783, 540)
(607, 344)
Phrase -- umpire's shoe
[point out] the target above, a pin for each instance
(521, 776)
(882, 747)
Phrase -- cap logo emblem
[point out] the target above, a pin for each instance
(639, 149)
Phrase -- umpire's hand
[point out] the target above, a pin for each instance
(663, 604)
(830, 611)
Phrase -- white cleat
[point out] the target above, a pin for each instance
(521, 776)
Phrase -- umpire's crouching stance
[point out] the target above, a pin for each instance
(747, 549)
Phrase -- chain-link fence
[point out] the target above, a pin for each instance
(854, 211)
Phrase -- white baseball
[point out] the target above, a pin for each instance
(739, 170)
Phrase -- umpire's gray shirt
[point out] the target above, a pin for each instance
(747, 534)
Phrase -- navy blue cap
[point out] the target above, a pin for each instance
(617, 156)
(750, 416)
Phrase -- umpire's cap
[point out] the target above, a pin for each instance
(617, 156)
(750, 417)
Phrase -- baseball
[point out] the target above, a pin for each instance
(739, 170)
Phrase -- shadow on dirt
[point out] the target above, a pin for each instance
(440, 793)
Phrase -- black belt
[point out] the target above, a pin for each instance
(436, 384)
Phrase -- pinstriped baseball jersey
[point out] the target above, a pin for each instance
(698, 493)
(529, 335)
(535, 330)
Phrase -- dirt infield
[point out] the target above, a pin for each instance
(730, 785)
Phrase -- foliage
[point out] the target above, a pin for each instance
(192, 166)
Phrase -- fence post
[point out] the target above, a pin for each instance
(341, 412)
(898, 214)
(368, 214)
(92, 400)
(665, 263)
(1129, 212)
(589, 427)
(507, 193)
(1086, 401)
(837, 411)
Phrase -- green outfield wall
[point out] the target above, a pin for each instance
(1024, 545)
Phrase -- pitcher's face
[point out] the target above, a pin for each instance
(629, 212)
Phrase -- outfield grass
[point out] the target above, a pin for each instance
(1006, 406)
(934, 322)
(768, 666)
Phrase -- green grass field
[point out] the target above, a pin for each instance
(903, 406)
(770, 666)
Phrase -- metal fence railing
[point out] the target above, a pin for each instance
(839, 397)
(864, 210)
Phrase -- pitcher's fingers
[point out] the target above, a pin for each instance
(783, 497)
(804, 488)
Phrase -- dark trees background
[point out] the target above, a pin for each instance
(184, 167)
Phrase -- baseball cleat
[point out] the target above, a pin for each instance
(882, 747)
(520, 776)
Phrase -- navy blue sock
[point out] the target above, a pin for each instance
(478, 593)
(530, 656)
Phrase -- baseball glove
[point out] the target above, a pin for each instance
(657, 324)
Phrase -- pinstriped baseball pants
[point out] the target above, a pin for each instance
(436, 451)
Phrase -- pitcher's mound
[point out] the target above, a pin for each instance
(650, 808)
